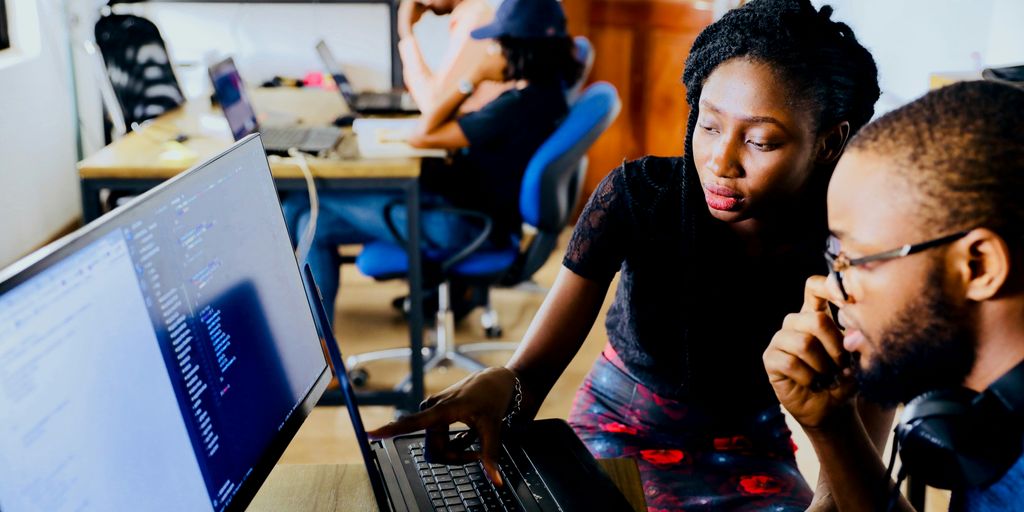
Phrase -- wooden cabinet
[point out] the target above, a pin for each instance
(640, 46)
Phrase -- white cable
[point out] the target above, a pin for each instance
(306, 240)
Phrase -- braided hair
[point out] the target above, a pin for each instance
(541, 59)
(819, 58)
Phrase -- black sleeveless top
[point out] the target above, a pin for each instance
(692, 314)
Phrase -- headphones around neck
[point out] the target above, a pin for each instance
(957, 438)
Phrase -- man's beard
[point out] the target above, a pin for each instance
(927, 346)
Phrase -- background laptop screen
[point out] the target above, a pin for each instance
(332, 66)
(151, 362)
(230, 92)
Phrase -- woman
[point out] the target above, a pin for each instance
(713, 249)
(492, 146)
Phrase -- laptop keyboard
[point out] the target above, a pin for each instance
(464, 488)
(284, 137)
(300, 137)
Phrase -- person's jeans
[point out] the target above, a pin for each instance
(357, 216)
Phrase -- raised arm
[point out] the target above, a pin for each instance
(877, 422)
(438, 127)
(805, 352)
(428, 87)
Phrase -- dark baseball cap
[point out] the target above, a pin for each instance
(526, 19)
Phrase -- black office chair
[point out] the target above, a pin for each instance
(138, 68)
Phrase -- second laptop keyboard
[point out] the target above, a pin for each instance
(300, 137)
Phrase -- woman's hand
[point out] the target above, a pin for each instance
(480, 401)
(806, 363)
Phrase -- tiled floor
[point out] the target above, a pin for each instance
(365, 321)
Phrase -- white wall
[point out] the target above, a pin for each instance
(911, 39)
(38, 183)
(38, 144)
(265, 40)
(268, 40)
(1006, 38)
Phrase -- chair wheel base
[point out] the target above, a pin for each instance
(359, 377)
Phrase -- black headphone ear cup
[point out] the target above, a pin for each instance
(948, 444)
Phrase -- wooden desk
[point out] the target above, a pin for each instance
(327, 487)
(146, 157)
(150, 155)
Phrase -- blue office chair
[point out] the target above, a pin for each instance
(585, 54)
(550, 189)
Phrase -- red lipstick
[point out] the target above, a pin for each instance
(722, 198)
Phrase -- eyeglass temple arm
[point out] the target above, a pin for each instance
(908, 249)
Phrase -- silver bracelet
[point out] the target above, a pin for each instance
(517, 402)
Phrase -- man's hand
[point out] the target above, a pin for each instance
(806, 363)
(409, 12)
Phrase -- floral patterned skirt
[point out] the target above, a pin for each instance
(684, 463)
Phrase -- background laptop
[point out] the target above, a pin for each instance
(162, 357)
(230, 92)
(545, 467)
(395, 102)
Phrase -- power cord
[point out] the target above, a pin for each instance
(306, 240)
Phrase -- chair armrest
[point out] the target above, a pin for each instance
(476, 243)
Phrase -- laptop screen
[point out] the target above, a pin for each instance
(230, 92)
(351, 402)
(332, 67)
(162, 357)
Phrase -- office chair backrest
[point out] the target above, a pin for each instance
(138, 67)
(585, 54)
(553, 177)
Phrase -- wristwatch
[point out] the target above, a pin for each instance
(466, 87)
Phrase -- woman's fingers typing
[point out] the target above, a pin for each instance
(408, 424)
(490, 446)
(471, 401)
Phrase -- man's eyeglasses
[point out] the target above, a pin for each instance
(839, 262)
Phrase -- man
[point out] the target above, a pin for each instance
(943, 178)
(463, 55)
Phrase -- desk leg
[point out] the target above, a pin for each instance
(91, 206)
(412, 200)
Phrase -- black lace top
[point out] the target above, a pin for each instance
(693, 311)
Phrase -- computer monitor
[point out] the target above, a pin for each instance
(162, 357)
(230, 91)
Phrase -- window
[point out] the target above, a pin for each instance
(5, 33)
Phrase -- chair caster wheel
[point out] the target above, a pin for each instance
(359, 377)
(493, 332)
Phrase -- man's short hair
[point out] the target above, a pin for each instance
(962, 147)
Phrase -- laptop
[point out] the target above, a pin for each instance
(162, 357)
(277, 140)
(367, 103)
(545, 466)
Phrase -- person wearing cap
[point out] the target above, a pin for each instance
(491, 147)
(463, 52)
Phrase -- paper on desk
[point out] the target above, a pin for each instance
(386, 138)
